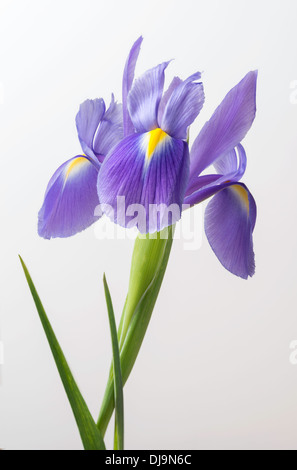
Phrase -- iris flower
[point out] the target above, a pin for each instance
(144, 158)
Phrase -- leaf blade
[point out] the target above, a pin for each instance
(90, 435)
(118, 382)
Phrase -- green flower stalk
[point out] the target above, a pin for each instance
(149, 262)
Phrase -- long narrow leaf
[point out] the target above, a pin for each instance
(118, 383)
(90, 435)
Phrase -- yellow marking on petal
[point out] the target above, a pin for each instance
(155, 138)
(74, 164)
(243, 194)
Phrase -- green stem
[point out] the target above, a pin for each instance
(149, 262)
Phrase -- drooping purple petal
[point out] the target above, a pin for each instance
(226, 128)
(109, 131)
(183, 106)
(128, 78)
(88, 119)
(150, 171)
(70, 199)
(229, 223)
(144, 98)
(207, 186)
(203, 181)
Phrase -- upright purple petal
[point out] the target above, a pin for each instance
(226, 128)
(128, 78)
(233, 164)
(110, 130)
(88, 119)
(70, 199)
(229, 223)
(150, 171)
(144, 98)
(183, 106)
(165, 98)
(231, 167)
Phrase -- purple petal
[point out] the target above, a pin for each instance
(144, 98)
(204, 181)
(226, 128)
(232, 166)
(229, 223)
(70, 199)
(110, 130)
(127, 83)
(184, 105)
(88, 119)
(148, 170)
(205, 191)
(165, 98)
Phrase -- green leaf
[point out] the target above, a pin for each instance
(90, 435)
(149, 262)
(118, 384)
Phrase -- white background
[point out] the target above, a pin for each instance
(214, 370)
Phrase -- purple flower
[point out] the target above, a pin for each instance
(71, 196)
(152, 166)
(142, 156)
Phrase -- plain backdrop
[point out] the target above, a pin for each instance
(214, 371)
